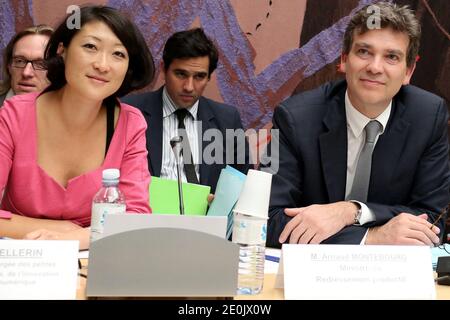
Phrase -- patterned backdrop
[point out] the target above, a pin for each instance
(253, 74)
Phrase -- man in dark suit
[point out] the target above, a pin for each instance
(365, 160)
(189, 58)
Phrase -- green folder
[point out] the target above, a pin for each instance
(164, 197)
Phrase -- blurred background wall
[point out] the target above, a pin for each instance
(269, 49)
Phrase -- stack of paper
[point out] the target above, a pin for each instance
(164, 197)
(229, 187)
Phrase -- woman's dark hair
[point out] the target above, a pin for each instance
(141, 69)
(190, 44)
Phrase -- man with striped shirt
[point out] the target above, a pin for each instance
(178, 108)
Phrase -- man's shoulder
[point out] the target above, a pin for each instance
(218, 108)
(415, 98)
(2, 98)
(321, 93)
(420, 107)
(316, 100)
(144, 100)
(223, 115)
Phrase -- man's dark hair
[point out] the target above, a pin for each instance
(190, 44)
(399, 18)
(141, 68)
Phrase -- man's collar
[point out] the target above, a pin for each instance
(169, 106)
(357, 121)
(9, 94)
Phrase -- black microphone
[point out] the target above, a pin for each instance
(175, 143)
(443, 269)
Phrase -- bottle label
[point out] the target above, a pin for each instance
(249, 230)
(99, 210)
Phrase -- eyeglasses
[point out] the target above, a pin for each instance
(443, 247)
(21, 62)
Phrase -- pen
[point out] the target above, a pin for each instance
(440, 216)
(272, 258)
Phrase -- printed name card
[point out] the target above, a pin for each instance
(38, 269)
(357, 272)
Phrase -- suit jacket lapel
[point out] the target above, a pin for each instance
(388, 151)
(333, 149)
(154, 113)
(205, 116)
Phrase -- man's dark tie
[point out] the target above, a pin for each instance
(360, 185)
(189, 167)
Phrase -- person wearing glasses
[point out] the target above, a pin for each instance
(23, 65)
(54, 145)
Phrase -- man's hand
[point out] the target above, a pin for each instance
(405, 229)
(315, 223)
(210, 198)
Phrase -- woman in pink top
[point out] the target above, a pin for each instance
(54, 145)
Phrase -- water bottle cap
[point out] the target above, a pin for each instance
(111, 174)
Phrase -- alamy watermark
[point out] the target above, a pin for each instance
(235, 147)
(73, 20)
(374, 20)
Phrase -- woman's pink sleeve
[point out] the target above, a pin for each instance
(8, 123)
(134, 174)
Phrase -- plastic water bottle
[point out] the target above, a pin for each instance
(109, 199)
(250, 233)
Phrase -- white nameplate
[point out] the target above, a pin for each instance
(38, 269)
(357, 272)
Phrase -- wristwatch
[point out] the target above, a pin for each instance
(358, 213)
